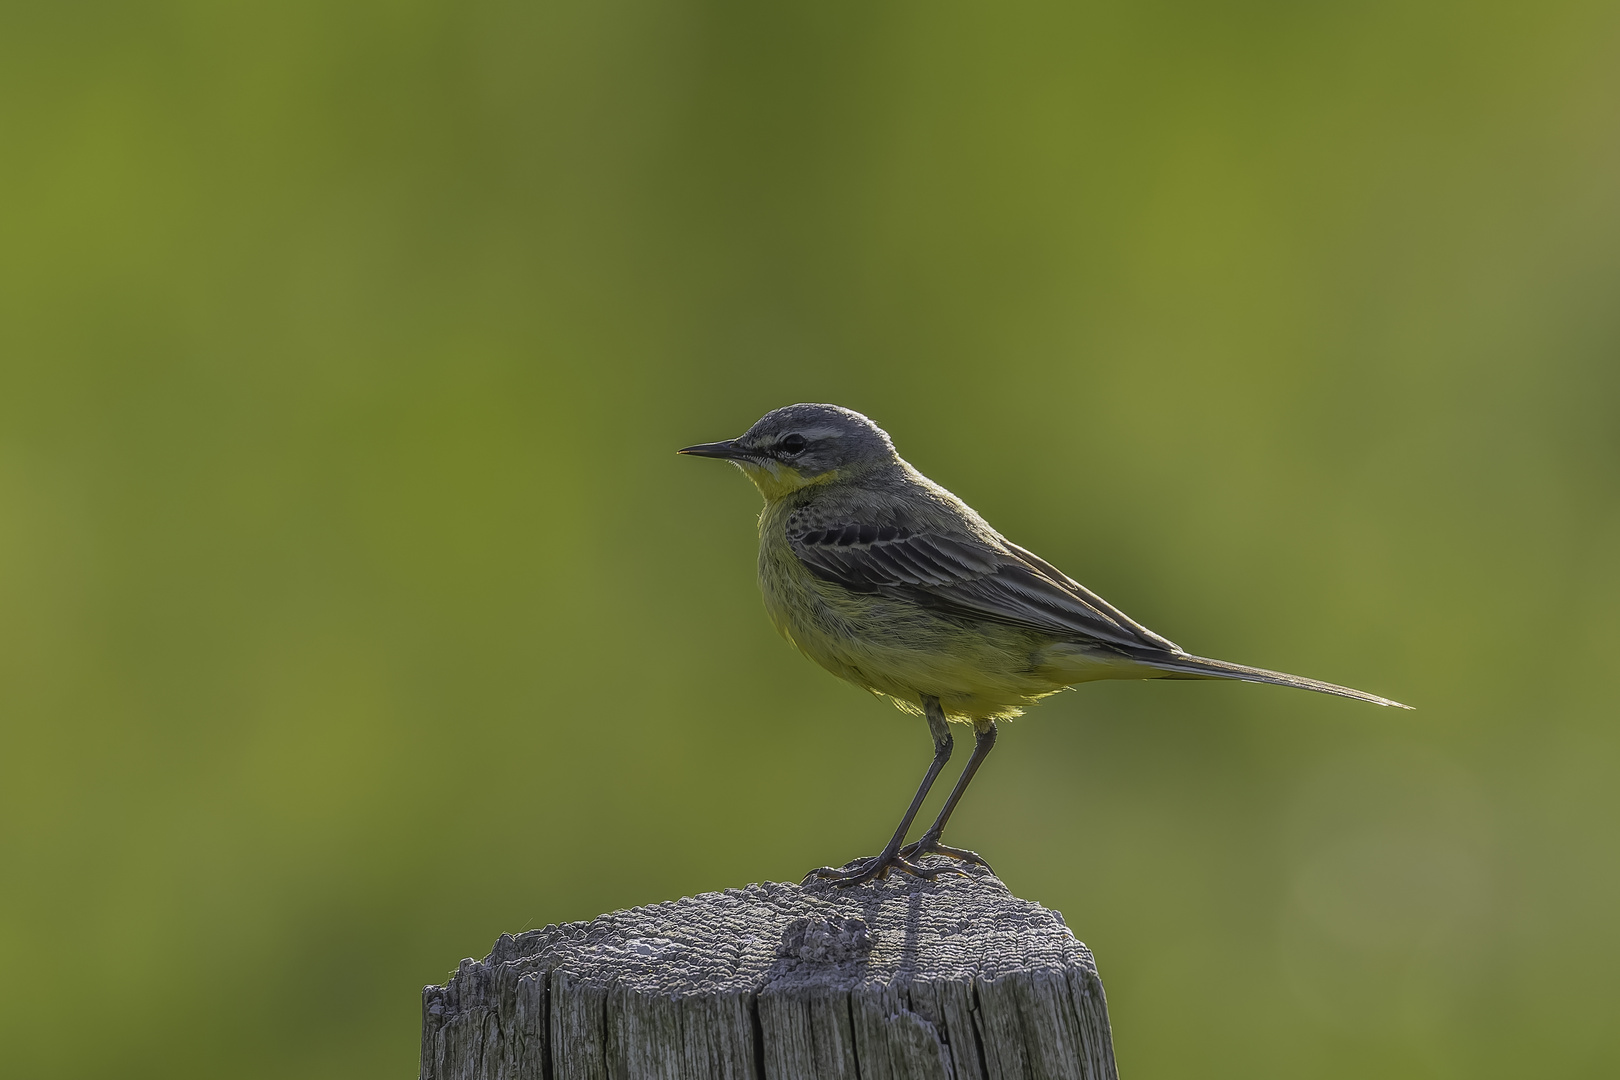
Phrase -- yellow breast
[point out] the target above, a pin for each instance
(895, 647)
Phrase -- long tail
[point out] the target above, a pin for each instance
(1185, 666)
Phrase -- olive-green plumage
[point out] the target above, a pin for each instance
(929, 599)
(888, 580)
(892, 644)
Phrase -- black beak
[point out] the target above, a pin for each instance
(728, 450)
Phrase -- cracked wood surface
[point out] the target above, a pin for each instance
(950, 980)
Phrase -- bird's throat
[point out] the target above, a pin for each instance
(777, 481)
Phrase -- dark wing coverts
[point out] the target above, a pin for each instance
(965, 576)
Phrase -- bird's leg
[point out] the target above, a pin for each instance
(984, 740)
(879, 866)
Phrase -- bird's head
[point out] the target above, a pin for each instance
(799, 445)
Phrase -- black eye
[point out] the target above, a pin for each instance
(793, 444)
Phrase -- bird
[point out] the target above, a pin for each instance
(891, 582)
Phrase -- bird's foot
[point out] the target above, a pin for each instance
(877, 868)
(928, 844)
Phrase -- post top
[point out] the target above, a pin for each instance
(776, 935)
(955, 979)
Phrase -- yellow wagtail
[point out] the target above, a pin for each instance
(886, 579)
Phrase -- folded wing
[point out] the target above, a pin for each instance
(967, 577)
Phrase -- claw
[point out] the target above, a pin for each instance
(876, 868)
(929, 846)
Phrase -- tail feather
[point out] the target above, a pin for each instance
(1199, 667)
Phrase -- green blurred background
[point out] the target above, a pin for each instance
(354, 607)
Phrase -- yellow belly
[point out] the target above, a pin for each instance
(979, 670)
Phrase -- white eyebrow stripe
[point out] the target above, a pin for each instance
(809, 434)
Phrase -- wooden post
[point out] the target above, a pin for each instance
(950, 980)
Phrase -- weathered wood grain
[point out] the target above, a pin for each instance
(950, 980)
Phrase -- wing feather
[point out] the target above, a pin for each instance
(966, 577)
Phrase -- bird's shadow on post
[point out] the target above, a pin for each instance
(846, 942)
